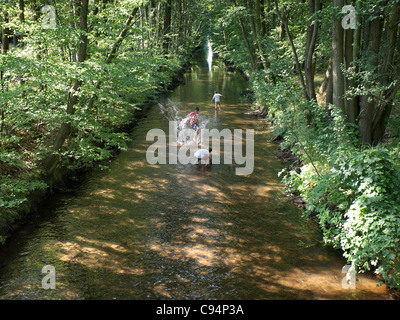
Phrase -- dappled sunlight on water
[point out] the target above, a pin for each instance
(146, 231)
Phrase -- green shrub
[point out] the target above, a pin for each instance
(355, 196)
(370, 234)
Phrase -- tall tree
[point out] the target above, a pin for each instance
(337, 58)
(167, 32)
(5, 46)
(246, 38)
(371, 78)
(294, 51)
(312, 32)
(65, 128)
(256, 17)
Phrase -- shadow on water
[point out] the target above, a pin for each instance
(146, 231)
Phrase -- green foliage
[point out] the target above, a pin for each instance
(353, 192)
(371, 232)
(14, 197)
(37, 77)
(351, 189)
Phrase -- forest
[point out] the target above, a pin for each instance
(74, 75)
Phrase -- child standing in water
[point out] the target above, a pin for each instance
(217, 96)
(194, 121)
(205, 155)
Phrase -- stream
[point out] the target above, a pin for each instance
(180, 231)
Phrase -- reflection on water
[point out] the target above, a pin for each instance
(209, 56)
(179, 231)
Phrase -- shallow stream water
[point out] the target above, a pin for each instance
(175, 231)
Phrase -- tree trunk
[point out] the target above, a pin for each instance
(5, 46)
(5, 43)
(157, 28)
(324, 88)
(298, 66)
(167, 26)
(312, 31)
(329, 89)
(351, 105)
(261, 61)
(368, 104)
(384, 110)
(385, 105)
(260, 32)
(22, 9)
(250, 51)
(65, 129)
(282, 29)
(337, 60)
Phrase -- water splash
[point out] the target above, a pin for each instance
(172, 111)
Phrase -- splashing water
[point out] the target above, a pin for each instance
(171, 111)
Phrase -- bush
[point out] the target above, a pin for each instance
(353, 192)
(371, 232)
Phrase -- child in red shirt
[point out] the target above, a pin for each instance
(194, 117)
